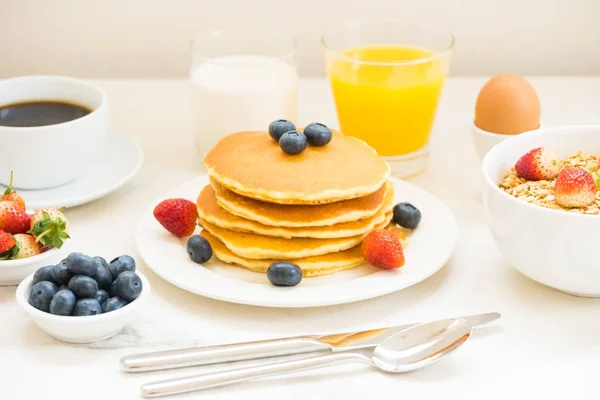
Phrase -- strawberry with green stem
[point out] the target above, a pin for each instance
(12, 219)
(10, 194)
(50, 227)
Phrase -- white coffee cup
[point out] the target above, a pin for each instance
(48, 156)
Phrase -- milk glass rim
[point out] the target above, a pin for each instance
(216, 32)
(350, 24)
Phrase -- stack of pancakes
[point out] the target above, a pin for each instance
(312, 209)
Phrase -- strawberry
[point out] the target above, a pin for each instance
(12, 219)
(574, 187)
(27, 246)
(11, 195)
(538, 164)
(50, 227)
(8, 246)
(178, 216)
(382, 249)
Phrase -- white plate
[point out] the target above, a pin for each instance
(116, 165)
(430, 247)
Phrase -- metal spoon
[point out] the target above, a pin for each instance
(410, 349)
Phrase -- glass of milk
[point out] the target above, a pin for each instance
(242, 79)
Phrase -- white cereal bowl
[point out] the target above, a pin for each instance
(12, 272)
(553, 247)
(81, 329)
(485, 140)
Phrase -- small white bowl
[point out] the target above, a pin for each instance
(81, 329)
(553, 247)
(12, 272)
(485, 140)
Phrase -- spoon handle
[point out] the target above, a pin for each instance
(216, 379)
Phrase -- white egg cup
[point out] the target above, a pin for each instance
(484, 140)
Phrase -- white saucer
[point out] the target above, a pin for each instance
(115, 166)
(430, 247)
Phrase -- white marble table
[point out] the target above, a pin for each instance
(547, 342)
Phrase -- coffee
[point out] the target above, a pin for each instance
(40, 113)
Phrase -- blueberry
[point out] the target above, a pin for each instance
(406, 215)
(292, 142)
(128, 286)
(85, 307)
(43, 274)
(80, 264)
(283, 273)
(62, 303)
(112, 304)
(101, 296)
(63, 287)
(61, 274)
(317, 134)
(279, 127)
(120, 264)
(103, 277)
(41, 294)
(101, 260)
(83, 286)
(199, 249)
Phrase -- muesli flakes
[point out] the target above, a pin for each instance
(541, 193)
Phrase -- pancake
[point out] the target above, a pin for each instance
(251, 245)
(294, 216)
(253, 165)
(310, 266)
(210, 211)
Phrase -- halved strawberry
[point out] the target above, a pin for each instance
(574, 187)
(382, 249)
(538, 164)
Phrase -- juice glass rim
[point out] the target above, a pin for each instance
(339, 51)
(218, 32)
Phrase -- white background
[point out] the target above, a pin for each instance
(151, 38)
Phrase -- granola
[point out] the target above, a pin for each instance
(541, 193)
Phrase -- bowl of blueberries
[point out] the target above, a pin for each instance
(83, 299)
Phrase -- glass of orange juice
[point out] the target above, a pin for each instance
(387, 78)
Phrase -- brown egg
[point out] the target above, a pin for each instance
(507, 104)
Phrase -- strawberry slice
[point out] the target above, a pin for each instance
(574, 187)
(538, 164)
